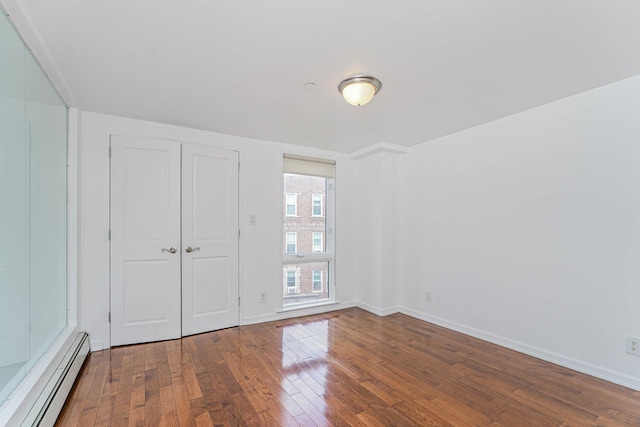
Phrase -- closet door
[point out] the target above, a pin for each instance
(209, 239)
(145, 240)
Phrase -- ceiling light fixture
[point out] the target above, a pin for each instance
(359, 90)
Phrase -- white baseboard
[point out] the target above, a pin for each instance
(288, 314)
(567, 362)
(379, 311)
(97, 345)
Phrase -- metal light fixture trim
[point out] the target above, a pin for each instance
(360, 89)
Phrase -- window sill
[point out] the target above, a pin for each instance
(303, 306)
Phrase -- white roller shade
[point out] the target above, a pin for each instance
(308, 166)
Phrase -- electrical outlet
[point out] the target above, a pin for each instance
(263, 297)
(633, 346)
(427, 296)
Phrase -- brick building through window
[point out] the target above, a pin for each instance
(304, 232)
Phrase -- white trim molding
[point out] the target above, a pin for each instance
(22, 21)
(382, 312)
(380, 147)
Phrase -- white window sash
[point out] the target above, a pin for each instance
(288, 259)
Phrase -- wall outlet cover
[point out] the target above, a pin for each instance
(633, 346)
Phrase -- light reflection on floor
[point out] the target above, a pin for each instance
(304, 352)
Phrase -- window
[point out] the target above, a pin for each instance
(291, 282)
(317, 281)
(292, 243)
(292, 204)
(316, 208)
(317, 242)
(307, 232)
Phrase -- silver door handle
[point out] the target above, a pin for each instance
(171, 250)
(190, 249)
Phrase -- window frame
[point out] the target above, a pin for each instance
(290, 259)
(295, 282)
(295, 242)
(294, 204)
(313, 242)
(313, 281)
(313, 205)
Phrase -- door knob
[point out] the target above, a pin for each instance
(190, 249)
(171, 250)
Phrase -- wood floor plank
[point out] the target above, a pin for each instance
(183, 404)
(152, 404)
(123, 397)
(71, 413)
(168, 404)
(94, 394)
(347, 368)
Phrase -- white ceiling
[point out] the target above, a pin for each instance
(239, 66)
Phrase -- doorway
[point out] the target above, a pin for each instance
(174, 239)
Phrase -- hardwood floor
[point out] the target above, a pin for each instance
(346, 368)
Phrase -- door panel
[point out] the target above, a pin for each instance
(147, 216)
(211, 197)
(145, 219)
(145, 278)
(210, 224)
(207, 297)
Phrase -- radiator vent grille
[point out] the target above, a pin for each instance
(47, 407)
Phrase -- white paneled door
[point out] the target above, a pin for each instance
(145, 240)
(174, 256)
(209, 239)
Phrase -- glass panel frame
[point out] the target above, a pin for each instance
(34, 214)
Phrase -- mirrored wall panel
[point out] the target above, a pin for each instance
(33, 211)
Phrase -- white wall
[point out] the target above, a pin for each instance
(527, 231)
(376, 197)
(260, 194)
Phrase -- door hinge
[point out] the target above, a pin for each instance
(109, 317)
(109, 234)
(238, 300)
(238, 232)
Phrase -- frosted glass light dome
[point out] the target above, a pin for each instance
(359, 90)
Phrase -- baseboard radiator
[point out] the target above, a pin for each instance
(45, 411)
